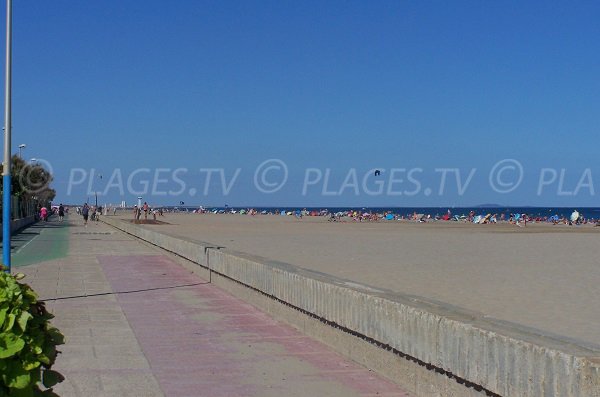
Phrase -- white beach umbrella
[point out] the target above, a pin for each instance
(574, 216)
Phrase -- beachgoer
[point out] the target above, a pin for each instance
(145, 207)
(85, 211)
(61, 212)
(135, 212)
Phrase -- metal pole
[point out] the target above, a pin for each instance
(6, 218)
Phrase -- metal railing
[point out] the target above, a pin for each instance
(21, 208)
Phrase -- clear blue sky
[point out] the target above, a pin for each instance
(339, 85)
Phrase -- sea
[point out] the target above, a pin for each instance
(586, 212)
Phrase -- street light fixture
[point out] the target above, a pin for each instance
(21, 147)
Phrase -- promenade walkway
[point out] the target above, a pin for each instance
(139, 324)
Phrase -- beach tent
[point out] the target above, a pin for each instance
(389, 217)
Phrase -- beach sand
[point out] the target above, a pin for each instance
(543, 276)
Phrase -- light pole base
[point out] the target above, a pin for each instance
(6, 221)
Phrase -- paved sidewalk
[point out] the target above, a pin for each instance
(139, 324)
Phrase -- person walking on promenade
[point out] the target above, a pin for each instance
(44, 214)
(146, 208)
(61, 212)
(85, 211)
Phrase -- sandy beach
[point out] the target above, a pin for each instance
(543, 276)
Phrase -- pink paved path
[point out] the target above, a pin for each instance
(200, 341)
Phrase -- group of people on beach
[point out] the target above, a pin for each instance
(145, 208)
(355, 215)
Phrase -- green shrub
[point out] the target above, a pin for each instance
(27, 341)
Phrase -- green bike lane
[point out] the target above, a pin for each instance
(40, 242)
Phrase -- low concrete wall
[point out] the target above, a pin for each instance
(19, 224)
(502, 358)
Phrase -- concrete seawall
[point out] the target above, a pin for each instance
(434, 342)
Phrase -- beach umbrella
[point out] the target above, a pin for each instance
(574, 216)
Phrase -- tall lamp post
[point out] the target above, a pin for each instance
(21, 147)
(96, 192)
(7, 149)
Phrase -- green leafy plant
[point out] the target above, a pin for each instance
(27, 341)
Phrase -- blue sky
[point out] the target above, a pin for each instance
(108, 88)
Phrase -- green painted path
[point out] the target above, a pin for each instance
(40, 242)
